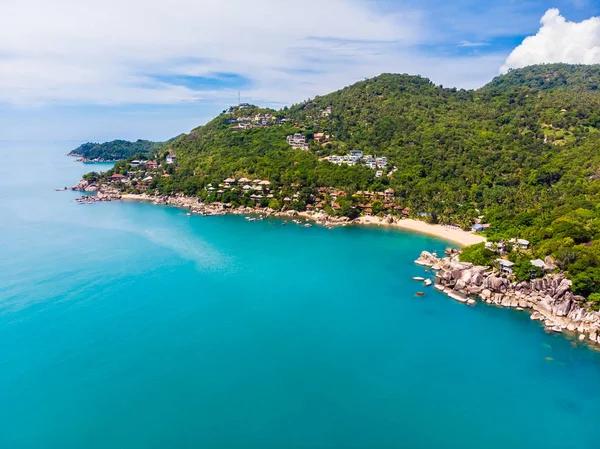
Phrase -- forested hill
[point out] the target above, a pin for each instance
(114, 150)
(550, 76)
(523, 151)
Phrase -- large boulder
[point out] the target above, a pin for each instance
(496, 284)
(486, 293)
(563, 308)
(562, 288)
(446, 278)
(81, 185)
(426, 259)
(477, 279)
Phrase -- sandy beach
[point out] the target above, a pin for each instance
(460, 237)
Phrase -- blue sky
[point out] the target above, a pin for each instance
(82, 70)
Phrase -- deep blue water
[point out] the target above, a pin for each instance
(126, 325)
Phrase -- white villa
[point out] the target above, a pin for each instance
(297, 141)
(524, 244)
(505, 265)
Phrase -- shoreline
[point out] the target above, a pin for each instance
(460, 237)
(548, 300)
(456, 236)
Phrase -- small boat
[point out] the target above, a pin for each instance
(418, 278)
(188, 214)
(420, 293)
(307, 225)
(427, 282)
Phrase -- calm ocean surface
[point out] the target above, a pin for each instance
(126, 325)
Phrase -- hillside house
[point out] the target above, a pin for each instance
(505, 265)
(118, 177)
(321, 137)
(171, 158)
(539, 263)
(297, 141)
(522, 243)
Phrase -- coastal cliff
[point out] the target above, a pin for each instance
(549, 299)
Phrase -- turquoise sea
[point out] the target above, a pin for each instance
(127, 325)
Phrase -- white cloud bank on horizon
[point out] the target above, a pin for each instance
(558, 40)
(115, 52)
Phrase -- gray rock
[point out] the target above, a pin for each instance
(562, 309)
(561, 288)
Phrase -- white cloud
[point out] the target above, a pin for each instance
(110, 52)
(558, 40)
(472, 44)
(78, 51)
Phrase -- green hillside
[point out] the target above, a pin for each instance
(550, 76)
(114, 150)
(523, 151)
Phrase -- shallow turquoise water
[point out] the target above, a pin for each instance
(135, 326)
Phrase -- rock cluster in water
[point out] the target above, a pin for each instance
(550, 299)
(102, 194)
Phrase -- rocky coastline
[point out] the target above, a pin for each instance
(195, 206)
(105, 192)
(81, 158)
(549, 299)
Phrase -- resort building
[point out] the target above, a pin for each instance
(505, 265)
(321, 137)
(118, 177)
(539, 263)
(523, 244)
(477, 228)
(297, 141)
